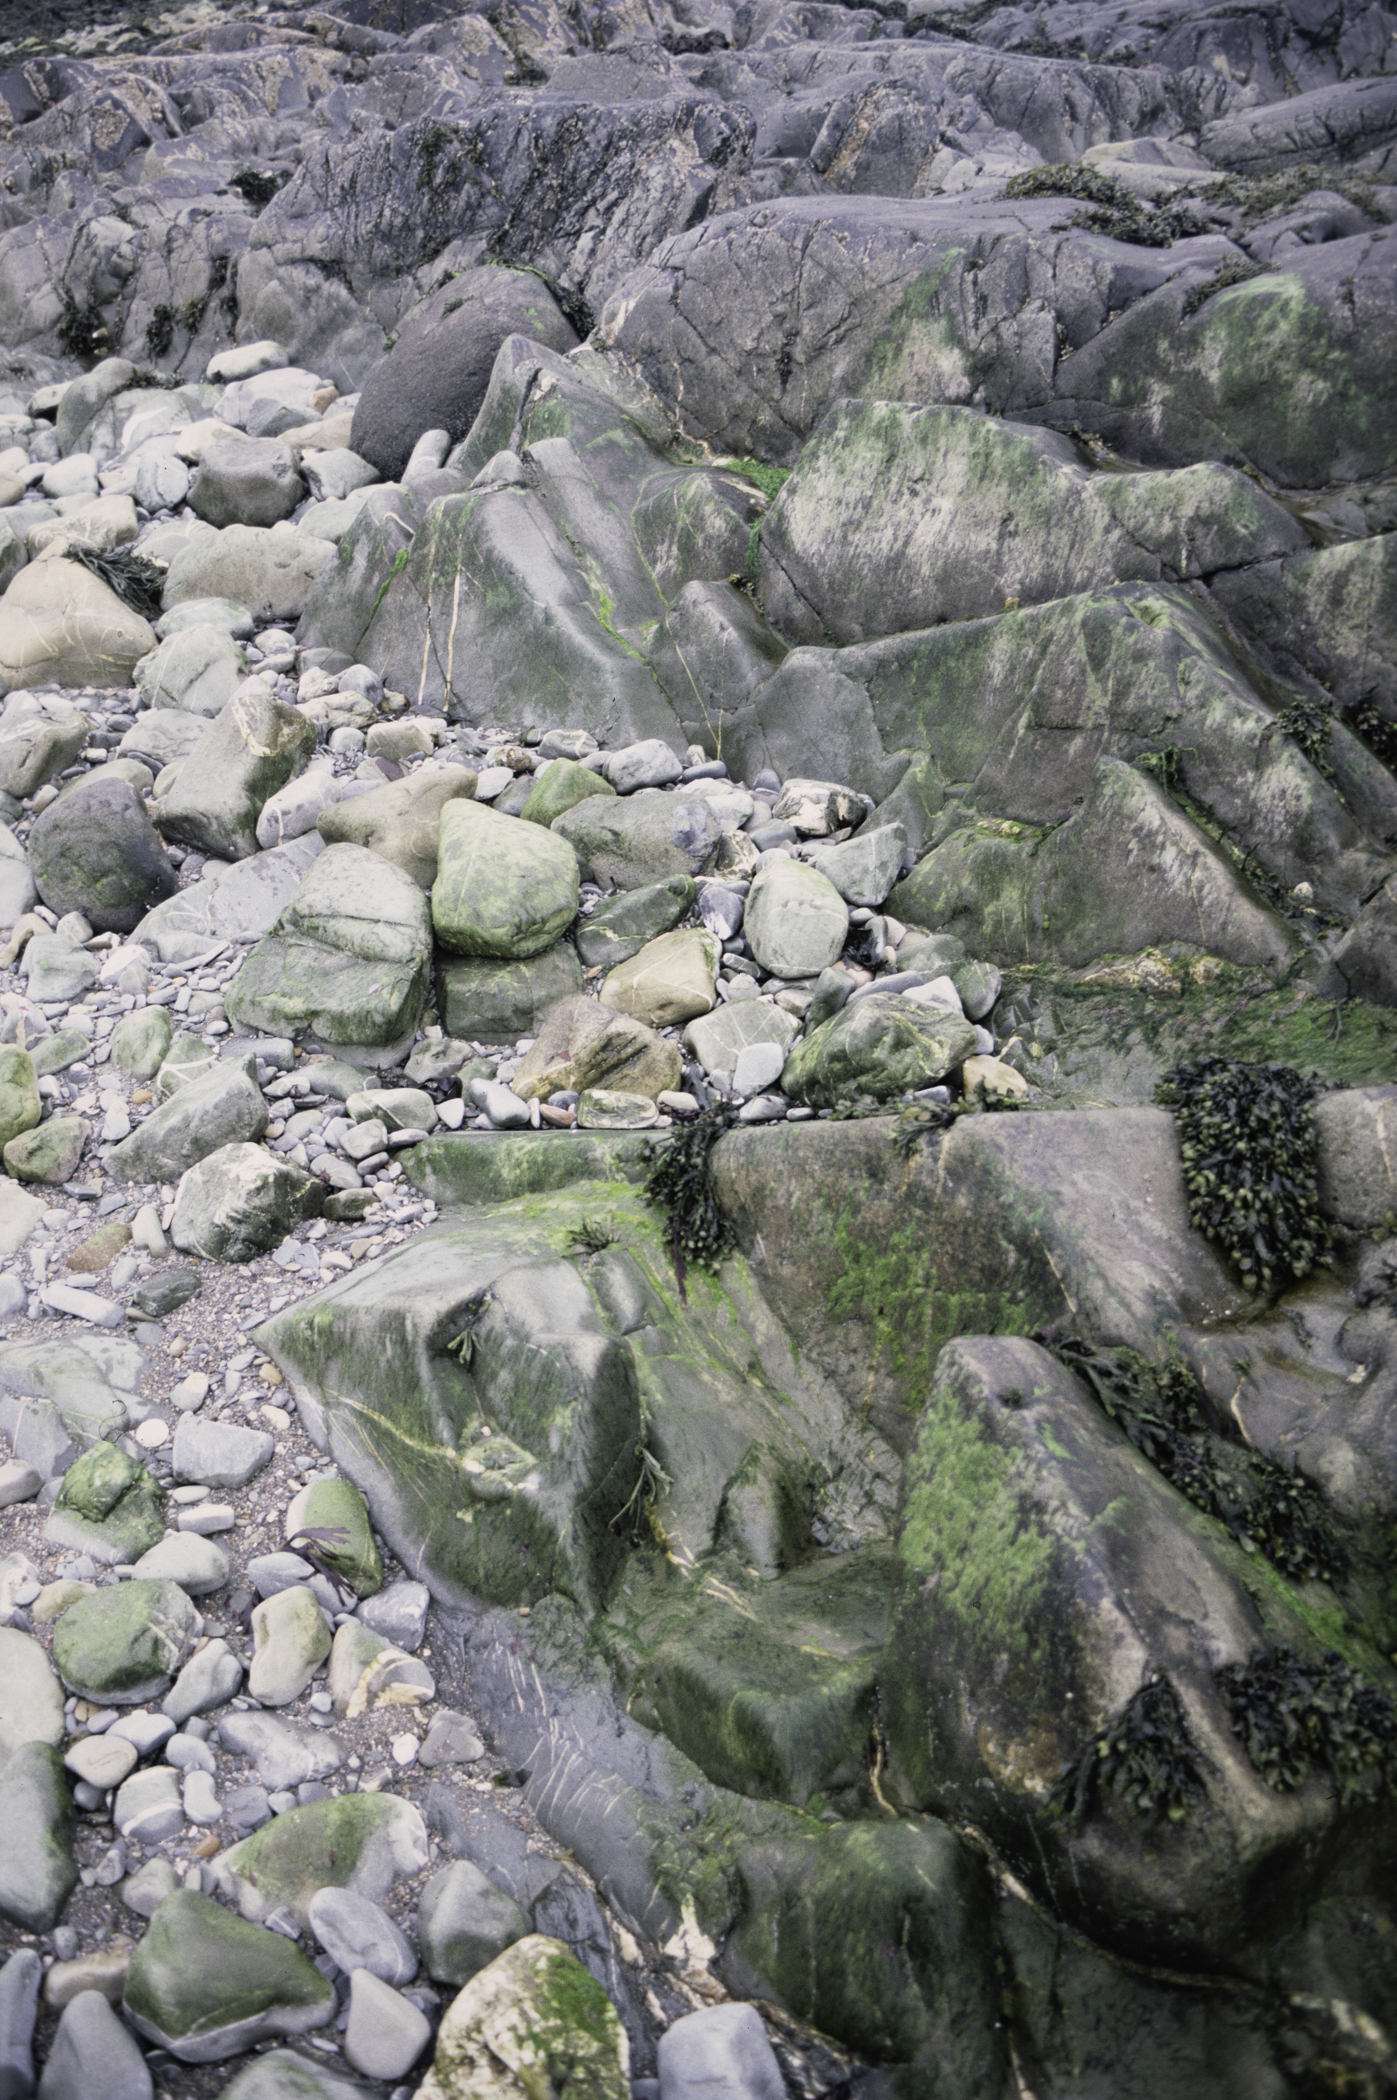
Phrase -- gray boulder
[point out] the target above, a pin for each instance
(223, 1108)
(94, 2052)
(246, 753)
(19, 1992)
(464, 1922)
(634, 842)
(348, 959)
(219, 1454)
(504, 889)
(246, 481)
(95, 851)
(37, 1867)
(724, 2048)
(497, 1002)
(197, 669)
(271, 573)
(240, 1201)
(358, 1934)
(435, 376)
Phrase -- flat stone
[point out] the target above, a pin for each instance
(94, 2052)
(607, 1108)
(285, 1755)
(195, 1563)
(102, 1760)
(219, 1454)
(668, 981)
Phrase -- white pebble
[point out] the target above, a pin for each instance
(405, 1749)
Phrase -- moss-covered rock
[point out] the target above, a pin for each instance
(504, 889)
(497, 1002)
(141, 1041)
(619, 927)
(49, 1153)
(332, 1518)
(364, 1842)
(20, 1106)
(560, 787)
(206, 1985)
(123, 1646)
(533, 2021)
(878, 1047)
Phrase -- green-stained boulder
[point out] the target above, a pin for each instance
(37, 1869)
(20, 1107)
(819, 1912)
(479, 1166)
(141, 1041)
(619, 927)
(123, 1646)
(560, 787)
(222, 1107)
(879, 1047)
(533, 2022)
(584, 1044)
(348, 959)
(401, 821)
(639, 840)
(49, 1153)
(108, 1507)
(364, 1842)
(668, 981)
(1064, 1622)
(245, 754)
(497, 1002)
(332, 1517)
(504, 889)
(241, 1201)
(206, 1985)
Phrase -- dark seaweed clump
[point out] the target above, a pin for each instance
(82, 331)
(257, 189)
(134, 577)
(1294, 1715)
(1115, 211)
(1250, 1158)
(1144, 1757)
(1160, 1408)
(681, 1183)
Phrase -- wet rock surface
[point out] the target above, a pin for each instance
(697, 824)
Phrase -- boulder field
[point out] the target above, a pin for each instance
(698, 1050)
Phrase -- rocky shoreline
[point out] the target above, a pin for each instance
(698, 1047)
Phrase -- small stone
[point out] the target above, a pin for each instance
(149, 1806)
(147, 1889)
(49, 1154)
(121, 1646)
(201, 1802)
(146, 1730)
(669, 981)
(450, 1740)
(291, 1640)
(103, 1970)
(357, 1934)
(404, 1749)
(286, 1756)
(758, 1065)
(208, 1679)
(333, 1516)
(219, 1454)
(990, 1075)
(102, 1760)
(191, 1392)
(195, 1563)
(152, 1433)
(795, 922)
(399, 1613)
(18, 1482)
(386, 2033)
(534, 2004)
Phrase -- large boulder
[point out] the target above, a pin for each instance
(348, 959)
(435, 376)
(271, 573)
(206, 1985)
(795, 921)
(37, 1869)
(197, 669)
(224, 1107)
(635, 841)
(877, 1047)
(246, 481)
(504, 889)
(39, 736)
(364, 1842)
(246, 753)
(497, 1002)
(538, 2013)
(95, 851)
(124, 1646)
(61, 625)
(401, 821)
(241, 1201)
(1067, 1629)
(583, 1043)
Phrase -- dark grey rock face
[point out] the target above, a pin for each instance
(435, 378)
